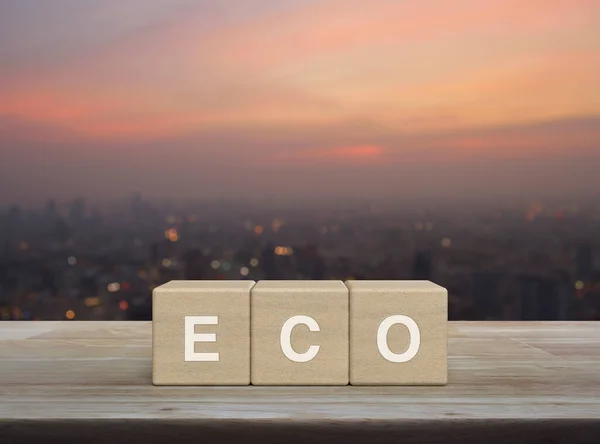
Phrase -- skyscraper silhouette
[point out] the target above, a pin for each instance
(542, 299)
(422, 265)
(484, 292)
(194, 262)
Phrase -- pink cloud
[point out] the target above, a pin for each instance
(344, 154)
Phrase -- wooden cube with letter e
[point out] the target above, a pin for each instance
(201, 333)
(299, 333)
(398, 333)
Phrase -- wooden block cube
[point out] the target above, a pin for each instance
(201, 333)
(398, 333)
(299, 333)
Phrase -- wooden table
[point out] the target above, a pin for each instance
(91, 382)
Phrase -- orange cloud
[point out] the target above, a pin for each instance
(541, 140)
(118, 114)
(317, 32)
(355, 152)
(346, 154)
(49, 107)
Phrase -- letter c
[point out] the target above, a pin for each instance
(415, 338)
(286, 338)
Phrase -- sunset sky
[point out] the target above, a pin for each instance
(199, 98)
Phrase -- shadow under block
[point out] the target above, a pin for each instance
(398, 333)
(201, 333)
(299, 333)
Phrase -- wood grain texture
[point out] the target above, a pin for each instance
(539, 380)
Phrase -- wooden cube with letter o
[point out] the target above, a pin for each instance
(398, 333)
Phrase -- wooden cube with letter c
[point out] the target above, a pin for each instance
(299, 333)
(201, 333)
(398, 333)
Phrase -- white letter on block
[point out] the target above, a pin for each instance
(191, 337)
(415, 338)
(286, 338)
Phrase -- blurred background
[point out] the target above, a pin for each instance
(149, 140)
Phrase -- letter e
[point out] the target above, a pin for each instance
(191, 337)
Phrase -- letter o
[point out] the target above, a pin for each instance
(415, 338)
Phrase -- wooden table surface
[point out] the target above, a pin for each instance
(93, 379)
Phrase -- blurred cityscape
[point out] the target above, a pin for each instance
(500, 260)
